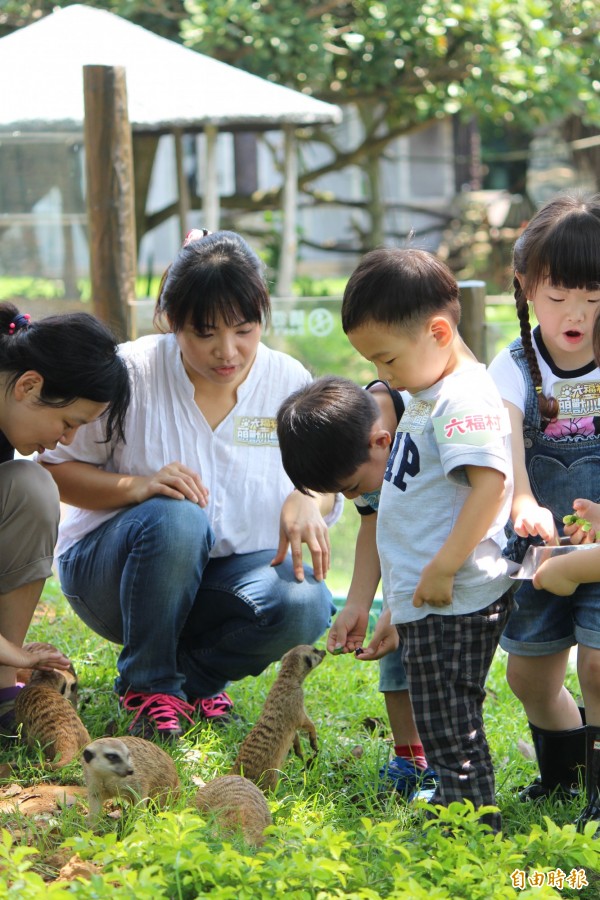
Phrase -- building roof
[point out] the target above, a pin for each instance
(168, 85)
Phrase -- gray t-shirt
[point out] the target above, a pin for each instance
(458, 422)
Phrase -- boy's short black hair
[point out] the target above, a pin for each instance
(399, 287)
(324, 430)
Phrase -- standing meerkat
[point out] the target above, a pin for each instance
(128, 767)
(237, 805)
(263, 751)
(45, 710)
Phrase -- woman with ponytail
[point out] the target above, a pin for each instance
(56, 374)
(550, 382)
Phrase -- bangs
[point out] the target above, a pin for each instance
(206, 312)
(569, 257)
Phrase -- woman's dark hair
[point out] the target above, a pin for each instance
(399, 287)
(75, 354)
(323, 431)
(561, 245)
(215, 277)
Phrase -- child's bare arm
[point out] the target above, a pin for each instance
(350, 626)
(528, 517)
(562, 574)
(477, 515)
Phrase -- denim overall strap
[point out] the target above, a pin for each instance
(558, 470)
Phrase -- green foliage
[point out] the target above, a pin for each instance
(418, 61)
(333, 835)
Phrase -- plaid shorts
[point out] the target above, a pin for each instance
(447, 659)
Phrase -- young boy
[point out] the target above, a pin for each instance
(335, 437)
(445, 499)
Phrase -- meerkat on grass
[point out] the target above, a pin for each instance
(237, 805)
(128, 767)
(45, 710)
(263, 751)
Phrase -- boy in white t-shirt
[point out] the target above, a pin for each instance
(445, 500)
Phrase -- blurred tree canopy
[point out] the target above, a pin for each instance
(401, 64)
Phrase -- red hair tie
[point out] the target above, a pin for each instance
(196, 234)
(21, 321)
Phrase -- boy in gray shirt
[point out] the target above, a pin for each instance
(445, 499)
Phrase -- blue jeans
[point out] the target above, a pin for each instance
(189, 624)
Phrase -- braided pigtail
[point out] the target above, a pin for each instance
(548, 405)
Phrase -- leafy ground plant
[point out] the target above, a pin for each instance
(334, 834)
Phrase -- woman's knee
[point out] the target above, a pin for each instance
(30, 492)
(178, 528)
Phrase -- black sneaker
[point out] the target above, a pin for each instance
(157, 715)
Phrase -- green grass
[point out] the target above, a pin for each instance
(333, 836)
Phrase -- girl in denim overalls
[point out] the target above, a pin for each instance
(550, 383)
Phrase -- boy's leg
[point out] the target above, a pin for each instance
(247, 615)
(447, 659)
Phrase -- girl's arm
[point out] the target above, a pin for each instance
(528, 517)
(563, 574)
(350, 627)
(481, 507)
(89, 487)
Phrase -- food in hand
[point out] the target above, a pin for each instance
(577, 520)
(337, 650)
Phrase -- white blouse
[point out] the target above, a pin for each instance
(239, 462)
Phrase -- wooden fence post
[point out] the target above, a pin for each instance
(472, 321)
(110, 194)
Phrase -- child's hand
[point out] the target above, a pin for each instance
(550, 577)
(584, 509)
(32, 656)
(533, 519)
(385, 639)
(435, 587)
(348, 630)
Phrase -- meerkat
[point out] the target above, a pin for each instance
(68, 686)
(237, 805)
(45, 710)
(128, 767)
(263, 752)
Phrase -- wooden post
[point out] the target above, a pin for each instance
(472, 321)
(110, 194)
(289, 241)
(183, 190)
(211, 212)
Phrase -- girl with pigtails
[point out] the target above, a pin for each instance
(550, 382)
(56, 374)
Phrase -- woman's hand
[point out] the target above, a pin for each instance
(173, 480)
(300, 523)
(36, 655)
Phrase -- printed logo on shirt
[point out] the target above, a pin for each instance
(575, 399)
(416, 416)
(255, 431)
(409, 461)
(473, 428)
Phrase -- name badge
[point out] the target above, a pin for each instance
(416, 416)
(255, 431)
(577, 398)
(472, 427)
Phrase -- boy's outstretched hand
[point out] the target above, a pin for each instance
(385, 639)
(348, 630)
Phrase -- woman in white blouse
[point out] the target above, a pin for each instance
(177, 543)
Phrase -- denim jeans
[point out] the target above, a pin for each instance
(189, 624)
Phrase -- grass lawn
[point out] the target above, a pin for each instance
(333, 835)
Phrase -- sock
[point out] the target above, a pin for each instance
(412, 752)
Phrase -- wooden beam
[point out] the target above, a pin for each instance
(289, 239)
(110, 194)
(472, 319)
